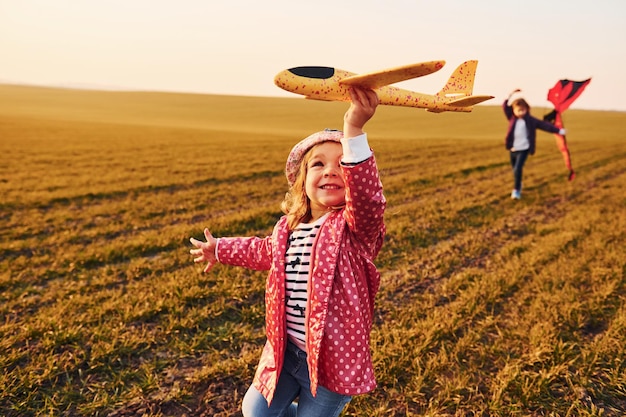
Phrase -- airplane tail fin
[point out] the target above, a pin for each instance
(461, 82)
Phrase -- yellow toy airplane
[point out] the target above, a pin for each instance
(332, 84)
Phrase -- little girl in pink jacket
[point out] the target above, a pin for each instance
(322, 280)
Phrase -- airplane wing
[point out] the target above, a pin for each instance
(468, 101)
(386, 77)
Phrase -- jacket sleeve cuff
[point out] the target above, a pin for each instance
(355, 149)
(217, 243)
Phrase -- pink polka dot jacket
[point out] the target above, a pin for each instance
(342, 287)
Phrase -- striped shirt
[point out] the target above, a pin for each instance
(297, 271)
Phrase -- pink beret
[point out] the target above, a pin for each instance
(298, 151)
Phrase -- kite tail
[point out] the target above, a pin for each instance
(561, 143)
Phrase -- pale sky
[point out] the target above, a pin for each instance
(237, 46)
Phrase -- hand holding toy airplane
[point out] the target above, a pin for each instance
(332, 84)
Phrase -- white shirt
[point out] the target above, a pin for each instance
(520, 136)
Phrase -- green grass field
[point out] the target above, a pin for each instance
(487, 307)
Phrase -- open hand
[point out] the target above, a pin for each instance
(205, 251)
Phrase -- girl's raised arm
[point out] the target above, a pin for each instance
(362, 108)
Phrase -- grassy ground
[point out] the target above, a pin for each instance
(487, 306)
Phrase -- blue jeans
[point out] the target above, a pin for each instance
(293, 383)
(518, 159)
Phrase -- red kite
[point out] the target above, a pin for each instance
(562, 95)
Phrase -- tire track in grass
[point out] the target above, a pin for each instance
(136, 192)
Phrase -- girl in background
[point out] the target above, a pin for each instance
(521, 136)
